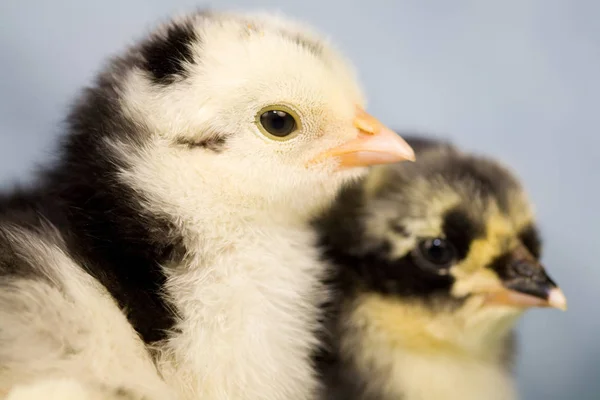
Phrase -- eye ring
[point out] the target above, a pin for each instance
(278, 122)
(435, 255)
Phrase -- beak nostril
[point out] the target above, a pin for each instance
(525, 269)
(366, 123)
(365, 127)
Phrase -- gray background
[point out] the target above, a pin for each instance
(517, 79)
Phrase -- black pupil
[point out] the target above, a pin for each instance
(438, 251)
(278, 123)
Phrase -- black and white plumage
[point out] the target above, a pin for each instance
(435, 262)
(167, 254)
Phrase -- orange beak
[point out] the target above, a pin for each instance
(375, 144)
(555, 299)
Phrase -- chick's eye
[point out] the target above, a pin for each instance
(435, 254)
(278, 123)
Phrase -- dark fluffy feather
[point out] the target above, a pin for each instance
(98, 217)
(363, 263)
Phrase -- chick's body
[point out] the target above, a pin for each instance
(434, 263)
(168, 253)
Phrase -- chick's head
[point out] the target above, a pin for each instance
(441, 252)
(256, 110)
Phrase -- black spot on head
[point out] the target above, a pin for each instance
(460, 230)
(531, 240)
(166, 56)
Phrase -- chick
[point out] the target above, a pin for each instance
(435, 261)
(165, 254)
